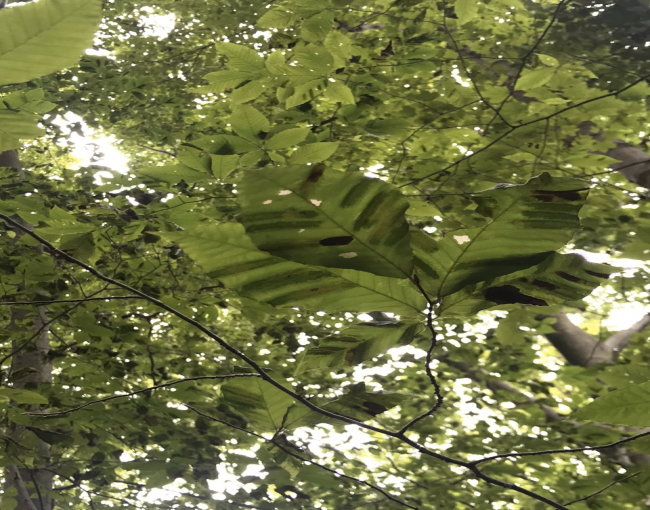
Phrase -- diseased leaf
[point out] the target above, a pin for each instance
(524, 225)
(226, 252)
(327, 218)
(557, 280)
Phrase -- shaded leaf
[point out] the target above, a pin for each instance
(258, 401)
(356, 344)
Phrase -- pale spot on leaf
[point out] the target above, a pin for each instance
(267, 202)
(301, 230)
(348, 255)
(285, 192)
(317, 203)
(462, 239)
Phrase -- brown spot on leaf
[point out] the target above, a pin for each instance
(316, 173)
(544, 285)
(597, 275)
(568, 195)
(374, 408)
(568, 277)
(337, 241)
(509, 294)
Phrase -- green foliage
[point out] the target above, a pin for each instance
(441, 167)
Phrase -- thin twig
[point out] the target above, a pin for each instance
(56, 301)
(144, 390)
(567, 450)
(432, 377)
(602, 490)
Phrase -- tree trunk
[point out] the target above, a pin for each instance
(30, 369)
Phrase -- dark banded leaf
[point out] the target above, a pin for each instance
(525, 224)
(327, 218)
(558, 279)
(226, 252)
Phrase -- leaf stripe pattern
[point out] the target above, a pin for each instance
(227, 253)
(525, 225)
(559, 279)
(332, 219)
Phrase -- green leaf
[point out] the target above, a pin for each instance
(466, 10)
(248, 123)
(624, 375)
(247, 92)
(39, 38)
(223, 166)
(339, 92)
(220, 81)
(172, 174)
(393, 127)
(240, 57)
(355, 345)
(228, 254)
(558, 280)
(277, 18)
(327, 218)
(313, 153)
(258, 401)
(357, 403)
(59, 228)
(626, 406)
(16, 126)
(316, 28)
(22, 396)
(287, 138)
(525, 224)
(536, 78)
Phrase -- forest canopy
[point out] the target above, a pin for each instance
(330, 254)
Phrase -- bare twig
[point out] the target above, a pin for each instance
(143, 390)
(602, 490)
